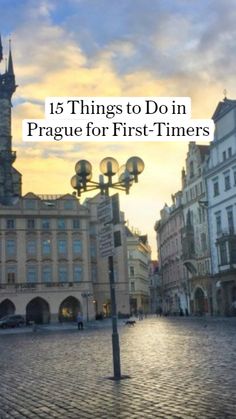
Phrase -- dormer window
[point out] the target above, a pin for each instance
(191, 169)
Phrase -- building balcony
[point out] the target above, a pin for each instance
(36, 287)
(188, 248)
(226, 249)
(188, 251)
(226, 234)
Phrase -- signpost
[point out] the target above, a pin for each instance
(108, 214)
(104, 210)
(106, 241)
(105, 233)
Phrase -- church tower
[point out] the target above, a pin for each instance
(10, 178)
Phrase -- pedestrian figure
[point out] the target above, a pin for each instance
(80, 321)
(186, 312)
(181, 313)
(234, 307)
(140, 314)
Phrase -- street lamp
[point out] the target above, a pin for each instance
(82, 182)
(86, 295)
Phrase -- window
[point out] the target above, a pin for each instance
(77, 246)
(191, 169)
(229, 152)
(203, 242)
(227, 181)
(76, 223)
(132, 286)
(131, 270)
(46, 247)
(62, 273)
(218, 222)
(61, 224)
(215, 187)
(223, 254)
(93, 250)
(10, 247)
(230, 219)
(31, 224)
(200, 215)
(30, 204)
(234, 172)
(31, 247)
(11, 275)
(62, 247)
(201, 187)
(31, 274)
(92, 229)
(10, 223)
(233, 252)
(224, 155)
(191, 193)
(204, 215)
(94, 274)
(45, 224)
(68, 204)
(47, 274)
(77, 273)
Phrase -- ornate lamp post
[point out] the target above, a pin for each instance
(86, 295)
(82, 182)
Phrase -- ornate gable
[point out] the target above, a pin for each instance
(222, 108)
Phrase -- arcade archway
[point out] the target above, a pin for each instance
(69, 309)
(7, 307)
(199, 301)
(38, 311)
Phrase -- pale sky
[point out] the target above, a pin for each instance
(110, 48)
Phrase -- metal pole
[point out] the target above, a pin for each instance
(87, 297)
(115, 336)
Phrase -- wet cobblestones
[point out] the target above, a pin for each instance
(179, 367)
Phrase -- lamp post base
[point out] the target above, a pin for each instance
(122, 377)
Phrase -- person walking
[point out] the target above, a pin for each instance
(80, 321)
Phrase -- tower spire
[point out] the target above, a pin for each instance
(1, 53)
(10, 69)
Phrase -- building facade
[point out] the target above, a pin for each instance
(175, 297)
(99, 268)
(221, 188)
(195, 237)
(50, 265)
(45, 258)
(155, 288)
(207, 212)
(139, 255)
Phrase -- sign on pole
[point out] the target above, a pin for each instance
(104, 211)
(106, 241)
(108, 214)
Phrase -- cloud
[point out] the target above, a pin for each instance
(91, 48)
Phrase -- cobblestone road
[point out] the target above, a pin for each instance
(179, 367)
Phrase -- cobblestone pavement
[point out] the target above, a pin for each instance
(179, 367)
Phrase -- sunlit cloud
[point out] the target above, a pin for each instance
(68, 48)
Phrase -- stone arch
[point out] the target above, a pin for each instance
(199, 301)
(69, 309)
(233, 302)
(38, 311)
(7, 307)
(219, 301)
